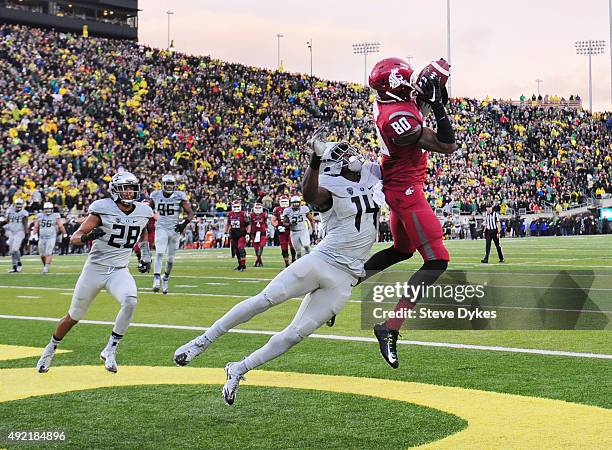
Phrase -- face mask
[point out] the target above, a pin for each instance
(355, 163)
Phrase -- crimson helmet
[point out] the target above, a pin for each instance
(390, 78)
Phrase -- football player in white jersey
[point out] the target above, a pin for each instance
(168, 203)
(16, 231)
(113, 225)
(344, 193)
(45, 231)
(295, 217)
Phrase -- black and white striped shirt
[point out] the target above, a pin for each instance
(491, 220)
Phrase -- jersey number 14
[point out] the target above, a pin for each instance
(363, 205)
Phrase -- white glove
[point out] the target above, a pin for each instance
(281, 229)
(318, 141)
(378, 194)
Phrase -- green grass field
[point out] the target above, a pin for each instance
(303, 412)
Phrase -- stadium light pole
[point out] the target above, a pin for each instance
(278, 38)
(590, 48)
(365, 49)
(448, 43)
(539, 81)
(169, 13)
(309, 44)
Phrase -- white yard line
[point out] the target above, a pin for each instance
(344, 338)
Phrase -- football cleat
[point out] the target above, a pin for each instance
(331, 322)
(187, 352)
(110, 363)
(485, 261)
(14, 269)
(156, 283)
(45, 269)
(231, 385)
(164, 284)
(19, 267)
(44, 362)
(387, 341)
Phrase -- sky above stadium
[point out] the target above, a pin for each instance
(499, 48)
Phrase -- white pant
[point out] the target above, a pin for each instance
(14, 241)
(327, 289)
(46, 246)
(166, 241)
(300, 240)
(118, 282)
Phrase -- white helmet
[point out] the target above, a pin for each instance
(296, 201)
(168, 183)
(236, 206)
(340, 155)
(257, 208)
(125, 188)
(18, 204)
(48, 208)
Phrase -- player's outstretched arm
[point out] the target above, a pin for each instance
(88, 230)
(444, 141)
(313, 193)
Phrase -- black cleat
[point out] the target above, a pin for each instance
(387, 340)
(502, 260)
(485, 261)
(331, 322)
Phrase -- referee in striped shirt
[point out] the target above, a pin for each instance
(492, 229)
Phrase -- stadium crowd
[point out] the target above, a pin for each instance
(74, 110)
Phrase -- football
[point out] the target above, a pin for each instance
(439, 68)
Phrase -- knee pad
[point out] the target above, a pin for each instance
(241, 253)
(170, 259)
(292, 335)
(275, 293)
(129, 302)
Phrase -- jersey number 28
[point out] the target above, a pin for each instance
(133, 233)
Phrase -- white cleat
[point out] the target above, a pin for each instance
(45, 269)
(187, 352)
(164, 284)
(44, 362)
(19, 267)
(156, 283)
(231, 385)
(110, 363)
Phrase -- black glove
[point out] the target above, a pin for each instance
(144, 267)
(96, 233)
(181, 226)
(431, 92)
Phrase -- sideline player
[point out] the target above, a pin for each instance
(168, 203)
(239, 229)
(295, 217)
(113, 225)
(326, 275)
(16, 231)
(284, 233)
(401, 95)
(45, 229)
(259, 227)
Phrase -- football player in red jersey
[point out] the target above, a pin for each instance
(404, 142)
(259, 226)
(239, 230)
(284, 234)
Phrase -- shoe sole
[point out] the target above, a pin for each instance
(180, 360)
